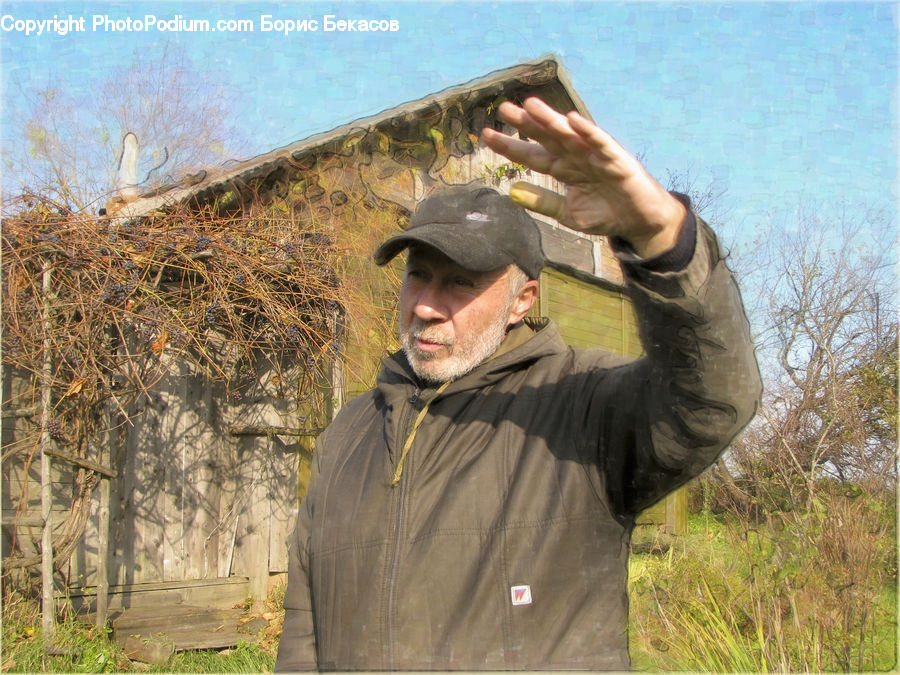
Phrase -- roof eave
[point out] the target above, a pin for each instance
(220, 177)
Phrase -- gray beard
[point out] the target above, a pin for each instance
(463, 357)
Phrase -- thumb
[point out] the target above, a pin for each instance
(538, 199)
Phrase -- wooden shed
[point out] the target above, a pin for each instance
(201, 511)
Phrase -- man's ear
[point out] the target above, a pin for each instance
(523, 301)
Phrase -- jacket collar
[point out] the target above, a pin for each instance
(517, 351)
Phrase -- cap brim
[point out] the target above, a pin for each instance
(478, 256)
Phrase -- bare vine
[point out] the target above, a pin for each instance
(229, 296)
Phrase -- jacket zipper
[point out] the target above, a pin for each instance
(413, 429)
(398, 528)
(412, 424)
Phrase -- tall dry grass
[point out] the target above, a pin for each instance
(811, 590)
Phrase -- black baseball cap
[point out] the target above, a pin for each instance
(476, 227)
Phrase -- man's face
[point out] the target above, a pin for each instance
(451, 318)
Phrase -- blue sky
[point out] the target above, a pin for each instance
(782, 103)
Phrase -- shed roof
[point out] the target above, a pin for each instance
(547, 74)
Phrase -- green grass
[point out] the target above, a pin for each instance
(92, 651)
(245, 658)
(768, 598)
(23, 649)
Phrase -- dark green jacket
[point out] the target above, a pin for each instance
(504, 543)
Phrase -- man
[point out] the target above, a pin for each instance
(474, 510)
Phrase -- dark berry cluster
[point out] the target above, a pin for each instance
(13, 343)
(210, 317)
(320, 239)
(116, 294)
(54, 428)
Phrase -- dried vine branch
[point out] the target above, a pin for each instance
(224, 295)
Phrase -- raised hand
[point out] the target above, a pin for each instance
(607, 190)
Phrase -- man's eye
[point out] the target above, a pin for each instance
(415, 273)
(462, 282)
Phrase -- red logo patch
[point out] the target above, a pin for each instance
(521, 595)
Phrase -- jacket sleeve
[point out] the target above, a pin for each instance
(297, 646)
(665, 418)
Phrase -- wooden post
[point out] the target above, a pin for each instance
(256, 548)
(107, 474)
(337, 365)
(103, 553)
(48, 607)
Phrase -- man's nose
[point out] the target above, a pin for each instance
(430, 304)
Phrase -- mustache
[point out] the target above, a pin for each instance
(420, 330)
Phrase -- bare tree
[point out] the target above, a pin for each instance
(69, 145)
(823, 305)
(707, 198)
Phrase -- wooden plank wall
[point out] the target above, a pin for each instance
(20, 473)
(589, 315)
(191, 501)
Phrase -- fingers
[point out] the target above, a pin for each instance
(594, 137)
(542, 123)
(568, 147)
(532, 155)
(538, 199)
